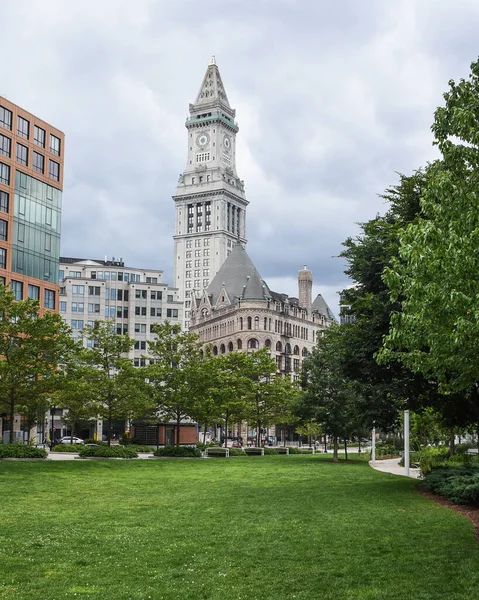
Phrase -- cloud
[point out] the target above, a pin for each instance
(332, 99)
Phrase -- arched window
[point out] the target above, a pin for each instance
(256, 322)
(230, 347)
(267, 343)
(222, 349)
(296, 351)
(241, 323)
(265, 323)
(287, 349)
(304, 352)
(240, 345)
(250, 321)
(253, 344)
(279, 347)
(215, 350)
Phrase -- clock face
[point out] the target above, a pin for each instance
(227, 143)
(202, 140)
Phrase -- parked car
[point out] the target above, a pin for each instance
(68, 440)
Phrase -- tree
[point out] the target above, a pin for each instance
(269, 394)
(179, 375)
(115, 388)
(329, 397)
(435, 276)
(31, 348)
(387, 387)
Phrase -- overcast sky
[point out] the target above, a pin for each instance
(333, 97)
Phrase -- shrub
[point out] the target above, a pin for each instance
(67, 448)
(296, 450)
(94, 441)
(107, 452)
(236, 452)
(458, 484)
(464, 447)
(21, 451)
(270, 451)
(141, 448)
(179, 452)
(126, 440)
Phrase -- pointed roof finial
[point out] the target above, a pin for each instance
(213, 60)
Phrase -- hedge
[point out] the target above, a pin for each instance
(179, 452)
(67, 448)
(21, 451)
(107, 452)
(458, 484)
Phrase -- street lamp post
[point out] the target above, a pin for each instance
(406, 442)
(373, 449)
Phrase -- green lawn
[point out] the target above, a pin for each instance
(278, 527)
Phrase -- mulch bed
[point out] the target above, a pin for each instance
(471, 512)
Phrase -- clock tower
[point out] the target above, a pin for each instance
(210, 203)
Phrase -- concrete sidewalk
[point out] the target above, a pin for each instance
(391, 465)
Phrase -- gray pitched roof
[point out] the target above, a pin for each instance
(320, 306)
(239, 277)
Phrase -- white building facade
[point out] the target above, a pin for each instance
(210, 203)
(135, 299)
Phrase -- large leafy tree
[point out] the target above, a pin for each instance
(436, 276)
(115, 388)
(387, 387)
(179, 375)
(32, 346)
(329, 398)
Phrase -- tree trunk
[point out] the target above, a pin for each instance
(204, 434)
(284, 435)
(110, 427)
(345, 449)
(226, 431)
(178, 421)
(452, 445)
(325, 444)
(12, 414)
(335, 448)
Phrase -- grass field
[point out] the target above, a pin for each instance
(279, 527)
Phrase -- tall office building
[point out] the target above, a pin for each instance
(31, 183)
(210, 201)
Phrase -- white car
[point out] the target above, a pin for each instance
(68, 440)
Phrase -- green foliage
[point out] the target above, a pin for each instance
(237, 452)
(383, 450)
(270, 451)
(178, 452)
(203, 447)
(435, 275)
(458, 484)
(141, 448)
(67, 448)
(21, 451)
(107, 452)
(94, 441)
(296, 450)
(464, 447)
(31, 347)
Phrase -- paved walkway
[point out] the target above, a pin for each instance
(391, 465)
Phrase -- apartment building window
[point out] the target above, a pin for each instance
(197, 284)
(5, 118)
(49, 299)
(17, 289)
(188, 254)
(206, 272)
(39, 136)
(5, 145)
(188, 274)
(78, 289)
(140, 328)
(63, 306)
(3, 229)
(22, 154)
(156, 295)
(93, 290)
(152, 280)
(78, 307)
(172, 313)
(77, 324)
(187, 284)
(38, 162)
(4, 174)
(198, 253)
(206, 262)
(33, 292)
(23, 127)
(202, 157)
(189, 243)
(155, 312)
(3, 259)
(75, 274)
(54, 144)
(4, 202)
(206, 282)
(140, 345)
(140, 311)
(206, 252)
(141, 294)
(93, 308)
(54, 170)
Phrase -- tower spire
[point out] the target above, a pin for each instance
(212, 91)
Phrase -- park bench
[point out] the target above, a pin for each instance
(282, 450)
(254, 451)
(216, 451)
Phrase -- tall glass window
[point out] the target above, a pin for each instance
(39, 136)
(22, 154)
(55, 144)
(4, 202)
(4, 174)
(38, 162)
(3, 259)
(33, 292)
(23, 127)
(17, 289)
(49, 299)
(5, 118)
(5, 145)
(53, 170)
(3, 230)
